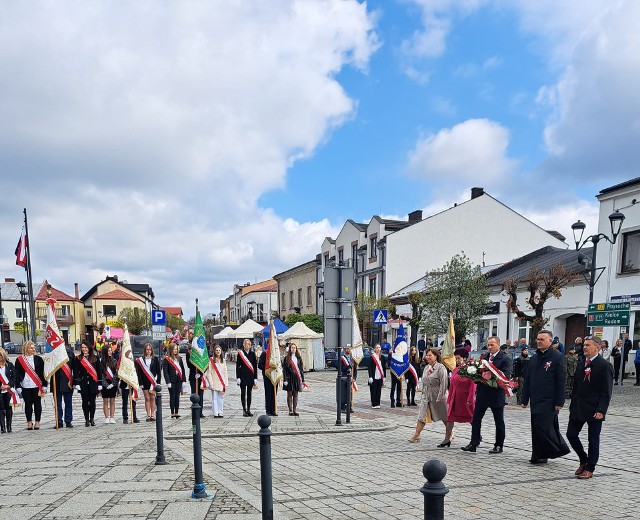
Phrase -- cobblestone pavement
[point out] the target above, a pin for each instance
(362, 470)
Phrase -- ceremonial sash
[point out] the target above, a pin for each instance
(89, 368)
(204, 384)
(31, 373)
(345, 361)
(413, 372)
(148, 374)
(134, 393)
(505, 384)
(378, 367)
(176, 366)
(67, 372)
(10, 391)
(294, 365)
(246, 361)
(217, 371)
(109, 374)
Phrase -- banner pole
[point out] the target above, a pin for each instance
(55, 398)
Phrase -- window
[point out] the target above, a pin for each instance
(372, 286)
(20, 315)
(341, 255)
(260, 312)
(354, 256)
(65, 310)
(108, 310)
(523, 331)
(88, 313)
(373, 247)
(291, 299)
(299, 297)
(630, 252)
(284, 301)
(309, 296)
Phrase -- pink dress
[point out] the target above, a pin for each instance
(461, 391)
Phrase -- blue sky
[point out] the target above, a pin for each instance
(193, 145)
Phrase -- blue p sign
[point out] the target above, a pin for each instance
(158, 317)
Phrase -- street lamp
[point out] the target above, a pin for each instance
(23, 308)
(615, 219)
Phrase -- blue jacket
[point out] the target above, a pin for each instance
(637, 359)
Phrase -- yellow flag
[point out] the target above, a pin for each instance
(448, 357)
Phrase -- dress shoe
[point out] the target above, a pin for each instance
(60, 425)
(444, 444)
(125, 421)
(393, 405)
(69, 425)
(580, 470)
(92, 422)
(469, 447)
(87, 423)
(296, 414)
(413, 439)
(538, 461)
(136, 420)
(585, 475)
(249, 414)
(495, 449)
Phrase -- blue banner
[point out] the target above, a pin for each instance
(399, 363)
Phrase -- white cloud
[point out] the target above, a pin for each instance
(142, 136)
(472, 151)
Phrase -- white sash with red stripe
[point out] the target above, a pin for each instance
(217, 371)
(505, 384)
(176, 366)
(109, 374)
(89, 368)
(148, 374)
(413, 372)
(246, 361)
(30, 371)
(134, 394)
(294, 365)
(378, 366)
(345, 361)
(12, 393)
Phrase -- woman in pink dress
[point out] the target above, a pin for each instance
(461, 400)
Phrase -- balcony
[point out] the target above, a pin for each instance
(64, 319)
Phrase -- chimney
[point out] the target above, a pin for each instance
(9, 280)
(76, 291)
(415, 216)
(476, 192)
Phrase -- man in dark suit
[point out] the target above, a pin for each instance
(489, 397)
(592, 387)
(544, 388)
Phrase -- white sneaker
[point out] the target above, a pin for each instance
(112, 420)
(107, 420)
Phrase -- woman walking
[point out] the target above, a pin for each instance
(219, 381)
(148, 368)
(293, 377)
(87, 377)
(433, 403)
(8, 396)
(109, 384)
(174, 376)
(461, 400)
(30, 383)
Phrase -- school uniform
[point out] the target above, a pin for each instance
(376, 378)
(28, 388)
(88, 386)
(8, 373)
(412, 383)
(219, 382)
(125, 389)
(270, 391)
(109, 381)
(153, 366)
(174, 379)
(246, 377)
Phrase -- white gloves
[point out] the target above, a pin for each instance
(99, 388)
(168, 385)
(370, 380)
(238, 381)
(255, 381)
(77, 387)
(198, 375)
(109, 387)
(285, 383)
(19, 391)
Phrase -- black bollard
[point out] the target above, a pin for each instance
(264, 422)
(159, 438)
(349, 390)
(434, 490)
(199, 489)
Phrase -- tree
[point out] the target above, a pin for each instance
(313, 321)
(365, 305)
(175, 322)
(137, 319)
(458, 288)
(540, 285)
(416, 300)
(19, 327)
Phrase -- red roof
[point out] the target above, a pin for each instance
(55, 294)
(116, 294)
(176, 311)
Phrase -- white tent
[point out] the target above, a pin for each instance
(309, 343)
(223, 334)
(246, 330)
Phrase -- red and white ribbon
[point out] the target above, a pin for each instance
(12, 393)
(246, 361)
(505, 384)
(29, 370)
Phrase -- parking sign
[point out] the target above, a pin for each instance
(158, 317)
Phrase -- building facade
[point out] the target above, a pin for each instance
(297, 291)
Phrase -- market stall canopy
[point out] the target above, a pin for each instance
(246, 330)
(281, 328)
(223, 334)
(300, 331)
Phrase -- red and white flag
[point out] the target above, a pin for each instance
(56, 351)
(21, 250)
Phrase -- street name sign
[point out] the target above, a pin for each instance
(613, 314)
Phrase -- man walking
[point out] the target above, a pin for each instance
(544, 387)
(489, 397)
(592, 387)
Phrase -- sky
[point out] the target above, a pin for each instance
(193, 145)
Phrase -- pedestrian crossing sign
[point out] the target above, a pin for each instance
(380, 317)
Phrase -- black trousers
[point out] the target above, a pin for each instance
(476, 423)
(637, 373)
(269, 396)
(32, 403)
(395, 389)
(616, 368)
(124, 392)
(88, 404)
(245, 396)
(5, 402)
(345, 392)
(411, 391)
(573, 435)
(376, 391)
(174, 397)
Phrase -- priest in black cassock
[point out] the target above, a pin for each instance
(544, 390)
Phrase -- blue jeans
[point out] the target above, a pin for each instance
(68, 411)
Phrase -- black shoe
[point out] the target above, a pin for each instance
(125, 421)
(616, 383)
(60, 425)
(291, 413)
(69, 425)
(495, 449)
(92, 422)
(202, 416)
(538, 461)
(136, 420)
(444, 444)
(249, 414)
(87, 423)
(296, 414)
(469, 447)
(245, 414)
(393, 405)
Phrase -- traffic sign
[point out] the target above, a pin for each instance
(160, 335)
(158, 317)
(380, 317)
(608, 319)
(607, 307)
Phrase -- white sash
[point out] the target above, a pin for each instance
(378, 366)
(147, 372)
(246, 361)
(176, 366)
(10, 391)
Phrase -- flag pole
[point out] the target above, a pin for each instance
(401, 392)
(55, 399)
(275, 399)
(131, 403)
(32, 310)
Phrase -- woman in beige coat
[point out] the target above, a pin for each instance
(433, 403)
(219, 381)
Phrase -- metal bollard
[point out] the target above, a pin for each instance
(339, 397)
(266, 485)
(159, 438)
(199, 489)
(434, 490)
(349, 390)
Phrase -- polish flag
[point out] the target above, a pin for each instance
(21, 250)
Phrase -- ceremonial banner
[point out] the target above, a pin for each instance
(273, 368)
(199, 355)
(126, 365)
(399, 358)
(56, 353)
(447, 357)
(21, 250)
(357, 353)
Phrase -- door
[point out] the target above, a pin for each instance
(576, 326)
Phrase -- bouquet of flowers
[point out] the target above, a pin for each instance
(484, 372)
